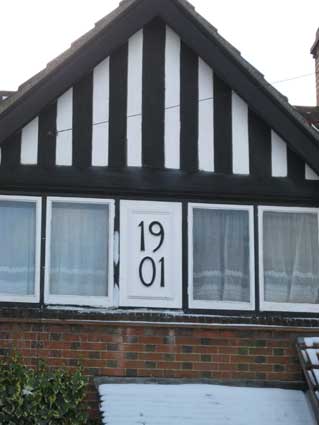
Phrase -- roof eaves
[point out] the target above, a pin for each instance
(63, 57)
(123, 8)
(253, 72)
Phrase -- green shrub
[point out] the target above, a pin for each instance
(40, 396)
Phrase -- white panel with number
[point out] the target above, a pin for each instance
(151, 254)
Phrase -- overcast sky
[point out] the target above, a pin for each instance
(273, 35)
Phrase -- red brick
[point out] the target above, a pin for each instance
(187, 357)
(173, 352)
(260, 367)
(169, 365)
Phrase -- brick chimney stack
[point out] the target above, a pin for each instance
(315, 53)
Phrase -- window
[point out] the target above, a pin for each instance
(20, 237)
(79, 251)
(221, 257)
(289, 255)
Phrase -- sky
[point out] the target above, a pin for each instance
(275, 36)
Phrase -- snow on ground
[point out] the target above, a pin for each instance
(202, 404)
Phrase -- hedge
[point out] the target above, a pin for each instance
(41, 396)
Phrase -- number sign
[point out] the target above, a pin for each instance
(150, 261)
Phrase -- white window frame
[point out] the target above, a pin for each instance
(80, 300)
(34, 298)
(221, 305)
(278, 306)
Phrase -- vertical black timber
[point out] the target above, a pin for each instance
(256, 257)
(116, 273)
(296, 166)
(47, 136)
(222, 127)
(259, 146)
(43, 239)
(189, 109)
(185, 242)
(153, 102)
(11, 151)
(82, 122)
(118, 107)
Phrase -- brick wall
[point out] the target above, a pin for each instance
(221, 353)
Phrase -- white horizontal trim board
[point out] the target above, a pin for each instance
(310, 174)
(134, 100)
(100, 121)
(172, 99)
(279, 164)
(205, 117)
(29, 143)
(240, 135)
(212, 304)
(64, 123)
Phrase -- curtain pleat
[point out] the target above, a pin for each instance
(17, 247)
(221, 255)
(290, 246)
(79, 249)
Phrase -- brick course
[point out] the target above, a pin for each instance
(217, 352)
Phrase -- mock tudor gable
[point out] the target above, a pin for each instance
(154, 129)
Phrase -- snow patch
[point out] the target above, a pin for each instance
(313, 356)
(202, 404)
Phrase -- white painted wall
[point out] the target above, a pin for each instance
(134, 100)
(172, 99)
(310, 174)
(279, 164)
(205, 117)
(29, 143)
(63, 154)
(240, 135)
(100, 121)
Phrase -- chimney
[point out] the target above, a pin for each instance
(315, 53)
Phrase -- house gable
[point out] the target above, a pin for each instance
(154, 115)
(196, 33)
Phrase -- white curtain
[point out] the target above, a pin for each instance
(221, 255)
(79, 249)
(17, 247)
(291, 256)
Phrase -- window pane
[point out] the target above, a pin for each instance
(221, 255)
(79, 249)
(291, 257)
(17, 247)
